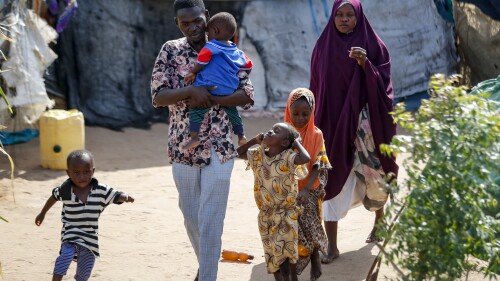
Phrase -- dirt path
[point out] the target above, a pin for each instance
(146, 240)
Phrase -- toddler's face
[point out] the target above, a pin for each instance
(300, 113)
(81, 172)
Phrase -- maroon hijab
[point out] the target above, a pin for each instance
(342, 88)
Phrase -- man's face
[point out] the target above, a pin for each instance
(192, 23)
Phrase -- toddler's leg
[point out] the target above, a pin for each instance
(85, 263)
(196, 116)
(235, 119)
(63, 261)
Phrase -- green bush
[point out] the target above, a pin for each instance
(449, 213)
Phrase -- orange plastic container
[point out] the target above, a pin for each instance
(61, 131)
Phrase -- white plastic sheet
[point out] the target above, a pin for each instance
(27, 59)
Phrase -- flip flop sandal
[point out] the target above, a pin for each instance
(372, 238)
(328, 259)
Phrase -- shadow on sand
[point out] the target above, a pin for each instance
(341, 269)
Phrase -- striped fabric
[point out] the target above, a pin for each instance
(85, 264)
(80, 221)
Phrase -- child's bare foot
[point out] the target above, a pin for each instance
(315, 266)
(242, 140)
(194, 142)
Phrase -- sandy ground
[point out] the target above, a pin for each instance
(146, 240)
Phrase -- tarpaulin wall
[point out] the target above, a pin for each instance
(478, 39)
(107, 56)
(419, 40)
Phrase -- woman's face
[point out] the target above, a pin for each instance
(300, 112)
(345, 18)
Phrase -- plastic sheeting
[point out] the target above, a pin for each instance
(420, 41)
(107, 56)
(491, 86)
(28, 57)
(489, 7)
(103, 52)
(478, 42)
(108, 50)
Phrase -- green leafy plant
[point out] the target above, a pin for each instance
(448, 220)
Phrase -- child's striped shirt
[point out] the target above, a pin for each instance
(80, 221)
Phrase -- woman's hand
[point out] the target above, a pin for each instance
(359, 54)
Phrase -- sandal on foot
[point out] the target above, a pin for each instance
(373, 238)
(325, 259)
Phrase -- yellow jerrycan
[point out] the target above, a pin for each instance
(61, 132)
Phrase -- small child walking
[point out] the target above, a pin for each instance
(84, 199)
(299, 112)
(218, 64)
(277, 165)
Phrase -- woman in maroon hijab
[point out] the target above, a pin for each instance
(350, 78)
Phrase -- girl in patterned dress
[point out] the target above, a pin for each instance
(299, 112)
(277, 167)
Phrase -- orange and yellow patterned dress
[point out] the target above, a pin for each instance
(275, 191)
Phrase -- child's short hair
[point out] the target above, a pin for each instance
(182, 4)
(79, 154)
(293, 134)
(225, 21)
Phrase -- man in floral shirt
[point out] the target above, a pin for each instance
(202, 174)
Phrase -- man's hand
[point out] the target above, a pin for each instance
(200, 96)
(189, 79)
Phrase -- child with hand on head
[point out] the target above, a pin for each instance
(218, 65)
(277, 166)
(84, 199)
(299, 112)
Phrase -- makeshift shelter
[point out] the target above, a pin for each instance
(107, 52)
(27, 57)
(478, 38)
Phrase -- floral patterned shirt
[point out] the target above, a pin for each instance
(173, 63)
